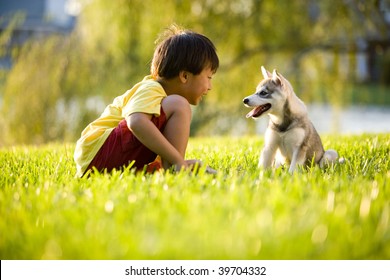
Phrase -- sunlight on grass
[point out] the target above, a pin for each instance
(341, 212)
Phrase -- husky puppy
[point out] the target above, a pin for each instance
(290, 136)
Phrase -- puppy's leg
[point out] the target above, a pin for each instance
(267, 156)
(295, 151)
(268, 153)
(279, 159)
(298, 158)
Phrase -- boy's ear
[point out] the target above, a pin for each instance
(183, 76)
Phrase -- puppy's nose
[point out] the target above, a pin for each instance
(246, 100)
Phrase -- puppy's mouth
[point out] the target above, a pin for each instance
(258, 111)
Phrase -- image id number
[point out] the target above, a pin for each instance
(236, 270)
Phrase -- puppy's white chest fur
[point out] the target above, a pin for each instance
(285, 143)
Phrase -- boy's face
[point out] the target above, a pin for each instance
(198, 85)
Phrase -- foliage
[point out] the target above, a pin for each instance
(51, 91)
(342, 212)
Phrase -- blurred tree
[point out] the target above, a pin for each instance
(49, 91)
(5, 38)
(32, 90)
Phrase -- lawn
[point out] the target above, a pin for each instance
(342, 212)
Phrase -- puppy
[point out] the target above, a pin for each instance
(290, 136)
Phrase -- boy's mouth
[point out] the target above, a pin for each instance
(258, 111)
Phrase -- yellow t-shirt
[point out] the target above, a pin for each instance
(145, 97)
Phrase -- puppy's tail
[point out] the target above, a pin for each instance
(329, 157)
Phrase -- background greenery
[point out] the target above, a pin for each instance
(342, 212)
(60, 83)
(57, 85)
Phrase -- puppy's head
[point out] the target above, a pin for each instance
(270, 95)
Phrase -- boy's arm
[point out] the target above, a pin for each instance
(149, 135)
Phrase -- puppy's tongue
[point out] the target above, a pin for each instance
(255, 111)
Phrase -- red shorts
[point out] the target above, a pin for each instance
(122, 148)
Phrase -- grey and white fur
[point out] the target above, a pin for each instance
(290, 136)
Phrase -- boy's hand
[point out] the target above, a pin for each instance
(191, 163)
(210, 170)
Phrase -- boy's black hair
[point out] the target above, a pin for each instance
(183, 50)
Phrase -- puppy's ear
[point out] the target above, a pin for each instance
(276, 79)
(265, 73)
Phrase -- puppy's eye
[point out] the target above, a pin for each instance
(263, 93)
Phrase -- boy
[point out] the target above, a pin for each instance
(153, 118)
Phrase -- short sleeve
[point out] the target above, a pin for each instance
(146, 99)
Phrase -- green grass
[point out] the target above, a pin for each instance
(342, 212)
